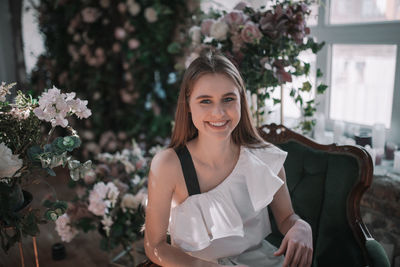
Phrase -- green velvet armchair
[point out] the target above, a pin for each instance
(326, 183)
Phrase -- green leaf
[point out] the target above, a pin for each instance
(47, 203)
(321, 88)
(50, 172)
(61, 205)
(276, 100)
(306, 68)
(319, 73)
(174, 48)
(33, 153)
(306, 87)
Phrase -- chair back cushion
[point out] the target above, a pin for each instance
(319, 184)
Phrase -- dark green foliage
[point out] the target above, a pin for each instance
(129, 90)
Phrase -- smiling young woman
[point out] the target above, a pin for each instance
(212, 187)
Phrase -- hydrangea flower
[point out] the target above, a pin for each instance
(55, 106)
(64, 229)
(102, 197)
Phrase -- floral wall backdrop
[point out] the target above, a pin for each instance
(123, 56)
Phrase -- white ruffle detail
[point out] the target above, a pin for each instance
(262, 184)
(202, 218)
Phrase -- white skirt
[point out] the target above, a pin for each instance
(261, 256)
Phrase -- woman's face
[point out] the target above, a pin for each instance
(215, 106)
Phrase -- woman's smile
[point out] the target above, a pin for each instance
(218, 125)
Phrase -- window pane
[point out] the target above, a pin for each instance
(312, 20)
(359, 11)
(362, 83)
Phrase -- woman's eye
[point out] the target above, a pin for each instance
(228, 99)
(205, 101)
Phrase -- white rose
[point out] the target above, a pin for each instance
(219, 30)
(130, 201)
(195, 34)
(9, 163)
(133, 7)
(150, 14)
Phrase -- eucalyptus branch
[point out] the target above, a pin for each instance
(50, 134)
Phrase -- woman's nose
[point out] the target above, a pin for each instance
(218, 110)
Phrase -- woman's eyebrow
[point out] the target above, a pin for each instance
(208, 96)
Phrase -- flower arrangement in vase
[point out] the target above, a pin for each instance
(26, 155)
(265, 45)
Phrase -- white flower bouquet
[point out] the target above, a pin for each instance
(25, 152)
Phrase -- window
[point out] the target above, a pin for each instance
(362, 79)
(360, 62)
(361, 11)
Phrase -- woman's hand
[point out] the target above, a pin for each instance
(298, 245)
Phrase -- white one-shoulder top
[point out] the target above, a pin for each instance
(228, 224)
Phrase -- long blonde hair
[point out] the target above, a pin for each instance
(212, 63)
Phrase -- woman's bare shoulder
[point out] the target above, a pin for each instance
(165, 164)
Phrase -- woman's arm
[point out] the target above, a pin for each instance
(297, 242)
(164, 170)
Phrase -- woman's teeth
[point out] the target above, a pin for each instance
(218, 124)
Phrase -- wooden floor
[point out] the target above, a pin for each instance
(82, 251)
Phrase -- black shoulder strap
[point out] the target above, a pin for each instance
(189, 172)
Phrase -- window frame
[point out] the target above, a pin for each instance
(385, 33)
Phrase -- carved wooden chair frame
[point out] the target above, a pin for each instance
(278, 134)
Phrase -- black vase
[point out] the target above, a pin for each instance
(11, 196)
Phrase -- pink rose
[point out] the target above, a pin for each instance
(84, 50)
(99, 52)
(237, 42)
(250, 33)
(129, 27)
(91, 61)
(122, 135)
(133, 43)
(120, 33)
(206, 26)
(90, 14)
(150, 14)
(104, 3)
(128, 77)
(241, 6)
(235, 18)
(126, 97)
(116, 48)
(122, 8)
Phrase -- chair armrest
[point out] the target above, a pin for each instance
(147, 263)
(375, 251)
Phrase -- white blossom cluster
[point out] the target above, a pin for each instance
(55, 106)
(5, 90)
(64, 229)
